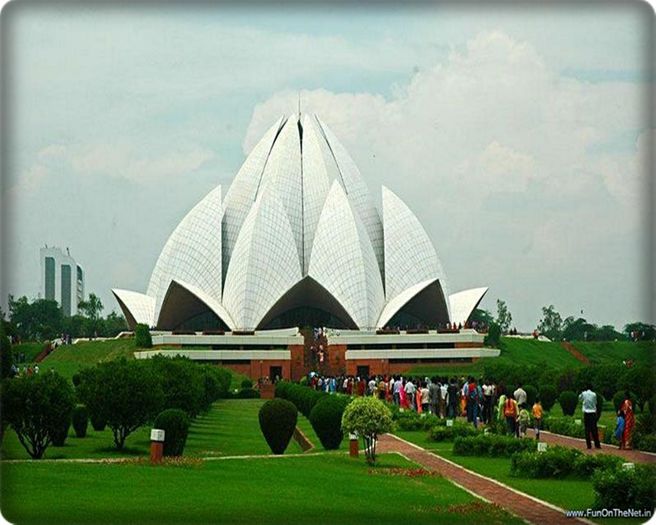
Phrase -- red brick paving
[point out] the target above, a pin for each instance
(634, 456)
(577, 355)
(522, 505)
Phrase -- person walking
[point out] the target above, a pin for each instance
(510, 413)
(589, 401)
(520, 395)
(434, 396)
(443, 395)
(537, 417)
(619, 428)
(452, 399)
(629, 421)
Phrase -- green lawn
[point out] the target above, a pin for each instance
(31, 350)
(618, 351)
(567, 493)
(68, 359)
(324, 489)
(231, 428)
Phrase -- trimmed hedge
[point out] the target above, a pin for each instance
(444, 433)
(142, 338)
(326, 420)
(410, 420)
(80, 418)
(565, 426)
(302, 397)
(277, 421)
(492, 445)
(175, 424)
(548, 396)
(558, 462)
(531, 394)
(625, 489)
(98, 423)
(568, 401)
(60, 434)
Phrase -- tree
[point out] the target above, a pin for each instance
(182, 383)
(577, 329)
(114, 324)
(92, 307)
(641, 331)
(126, 394)
(482, 316)
(493, 337)
(504, 317)
(39, 320)
(6, 356)
(367, 417)
(37, 407)
(551, 323)
(142, 338)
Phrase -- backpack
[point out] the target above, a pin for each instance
(509, 408)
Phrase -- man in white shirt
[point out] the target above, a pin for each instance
(410, 392)
(520, 395)
(589, 400)
(398, 385)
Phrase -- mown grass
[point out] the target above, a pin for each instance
(567, 493)
(231, 428)
(323, 489)
(614, 352)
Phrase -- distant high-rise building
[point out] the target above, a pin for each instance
(62, 279)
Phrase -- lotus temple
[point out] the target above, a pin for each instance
(298, 241)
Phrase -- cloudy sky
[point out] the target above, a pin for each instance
(519, 137)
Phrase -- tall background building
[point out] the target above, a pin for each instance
(62, 279)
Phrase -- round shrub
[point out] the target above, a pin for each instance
(568, 401)
(248, 393)
(277, 421)
(619, 397)
(142, 337)
(548, 397)
(175, 424)
(98, 423)
(76, 379)
(326, 420)
(625, 489)
(531, 394)
(80, 417)
(246, 383)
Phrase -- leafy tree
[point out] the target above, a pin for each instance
(640, 379)
(37, 407)
(39, 320)
(92, 307)
(577, 329)
(551, 323)
(482, 316)
(504, 317)
(367, 417)
(182, 383)
(645, 331)
(114, 324)
(142, 336)
(125, 394)
(6, 356)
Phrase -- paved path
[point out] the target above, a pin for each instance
(527, 507)
(635, 456)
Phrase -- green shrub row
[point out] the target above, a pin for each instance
(625, 489)
(410, 420)
(565, 426)
(558, 462)
(302, 397)
(444, 433)
(492, 445)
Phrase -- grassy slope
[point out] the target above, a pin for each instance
(569, 494)
(529, 352)
(313, 489)
(31, 350)
(231, 428)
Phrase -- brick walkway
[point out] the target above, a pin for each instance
(634, 456)
(522, 505)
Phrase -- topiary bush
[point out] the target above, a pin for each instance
(568, 401)
(277, 421)
(60, 433)
(98, 423)
(302, 397)
(175, 424)
(80, 419)
(142, 338)
(531, 394)
(247, 393)
(492, 445)
(326, 420)
(548, 396)
(625, 489)
(246, 383)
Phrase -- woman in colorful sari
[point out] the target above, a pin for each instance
(403, 398)
(629, 422)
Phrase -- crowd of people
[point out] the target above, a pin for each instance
(479, 401)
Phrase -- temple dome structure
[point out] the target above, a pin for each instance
(297, 241)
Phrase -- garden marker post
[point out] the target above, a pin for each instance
(353, 445)
(156, 445)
